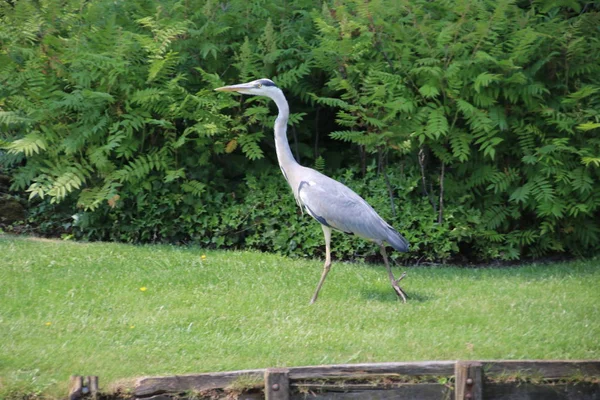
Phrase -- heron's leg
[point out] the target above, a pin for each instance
(393, 280)
(327, 266)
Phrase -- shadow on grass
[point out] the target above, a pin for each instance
(389, 296)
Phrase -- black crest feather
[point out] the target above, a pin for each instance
(267, 82)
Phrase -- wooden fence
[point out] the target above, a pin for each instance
(460, 380)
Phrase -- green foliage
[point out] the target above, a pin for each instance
(115, 95)
(494, 98)
(262, 214)
(481, 119)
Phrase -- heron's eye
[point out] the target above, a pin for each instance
(259, 85)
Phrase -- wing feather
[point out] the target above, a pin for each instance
(334, 204)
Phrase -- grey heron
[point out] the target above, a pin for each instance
(332, 204)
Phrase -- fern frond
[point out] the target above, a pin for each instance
(194, 187)
(30, 144)
(484, 80)
(249, 145)
(437, 124)
(12, 118)
(521, 194)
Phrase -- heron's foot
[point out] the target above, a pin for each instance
(398, 289)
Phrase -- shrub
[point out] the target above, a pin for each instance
(497, 102)
(472, 126)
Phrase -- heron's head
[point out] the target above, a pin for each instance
(259, 87)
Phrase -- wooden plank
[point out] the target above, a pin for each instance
(417, 391)
(546, 369)
(527, 391)
(435, 368)
(277, 384)
(149, 386)
(160, 397)
(468, 380)
(305, 387)
(215, 395)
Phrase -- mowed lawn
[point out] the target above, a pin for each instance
(120, 311)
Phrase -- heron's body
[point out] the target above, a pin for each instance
(339, 207)
(332, 204)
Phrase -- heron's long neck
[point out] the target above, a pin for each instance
(284, 154)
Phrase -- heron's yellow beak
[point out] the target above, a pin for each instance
(235, 88)
(225, 89)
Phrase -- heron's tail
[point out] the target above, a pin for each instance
(397, 241)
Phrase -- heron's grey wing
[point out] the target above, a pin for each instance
(335, 205)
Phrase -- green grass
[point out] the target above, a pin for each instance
(77, 308)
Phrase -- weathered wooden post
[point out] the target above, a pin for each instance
(92, 384)
(469, 380)
(75, 387)
(80, 387)
(277, 384)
